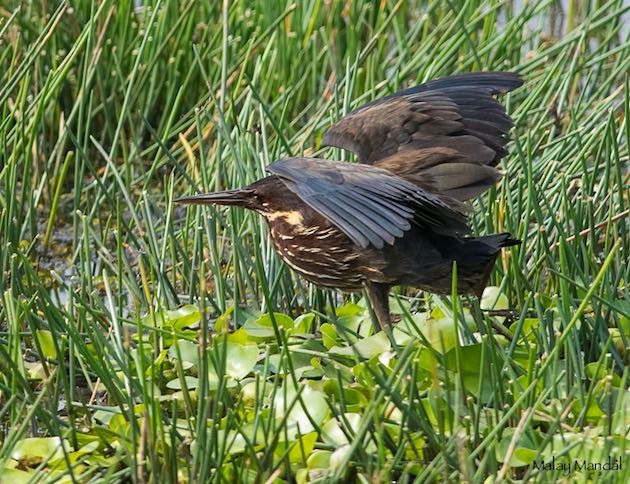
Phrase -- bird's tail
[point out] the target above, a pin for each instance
(475, 259)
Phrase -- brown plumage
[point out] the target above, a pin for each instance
(398, 216)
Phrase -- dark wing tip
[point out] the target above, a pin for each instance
(494, 82)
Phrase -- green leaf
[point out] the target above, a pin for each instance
(240, 359)
(366, 347)
(440, 333)
(33, 450)
(176, 384)
(303, 323)
(282, 320)
(177, 319)
(301, 448)
(523, 453)
(302, 417)
(45, 339)
(17, 476)
(262, 327)
(320, 459)
(185, 350)
(493, 299)
(528, 328)
(329, 335)
(332, 432)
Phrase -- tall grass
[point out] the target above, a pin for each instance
(167, 344)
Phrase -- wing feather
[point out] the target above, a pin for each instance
(457, 112)
(370, 205)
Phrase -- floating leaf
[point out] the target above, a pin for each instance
(440, 333)
(332, 431)
(282, 320)
(185, 350)
(177, 319)
(300, 419)
(366, 347)
(528, 328)
(176, 384)
(262, 327)
(45, 340)
(17, 476)
(300, 448)
(303, 323)
(329, 335)
(240, 359)
(319, 459)
(523, 453)
(493, 299)
(34, 450)
(340, 456)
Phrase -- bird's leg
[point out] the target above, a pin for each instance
(378, 294)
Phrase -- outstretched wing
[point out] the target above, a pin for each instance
(369, 204)
(418, 131)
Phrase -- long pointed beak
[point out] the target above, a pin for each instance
(239, 197)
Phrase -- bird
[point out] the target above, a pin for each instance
(399, 215)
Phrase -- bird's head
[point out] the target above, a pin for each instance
(263, 196)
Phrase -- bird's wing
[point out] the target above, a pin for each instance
(450, 120)
(369, 204)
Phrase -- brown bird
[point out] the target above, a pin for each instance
(397, 217)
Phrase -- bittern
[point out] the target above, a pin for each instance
(398, 216)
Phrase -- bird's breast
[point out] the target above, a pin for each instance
(317, 250)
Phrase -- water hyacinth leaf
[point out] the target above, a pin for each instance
(300, 448)
(524, 445)
(493, 299)
(300, 364)
(320, 459)
(239, 359)
(318, 463)
(353, 398)
(105, 416)
(350, 310)
(35, 370)
(176, 384)
(33, 450)
(329, 335)
(45, 340)
(303, 323)
(440, 333)
(240, 336)
(415, 446)
(367, 347)
(255, 330)
(282, 320)
(435, 405)
(300, 420)
(238, 440)
(529, 326)
(187, 351)
(332, 432)
(340, 456)
(596, 371)
(352, 317)
(17, 476)
(397, 306)
(471, 369)
(402, 337)
(620, 340)
(177, 319)
(222, 323)
(262, 327)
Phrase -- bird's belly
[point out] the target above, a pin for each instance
(322, 255)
